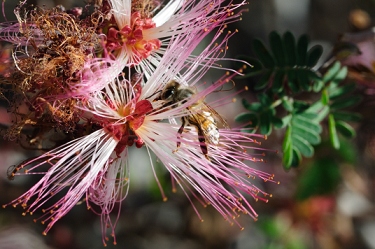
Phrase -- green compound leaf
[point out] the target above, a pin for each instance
(285, 71)
(286, 66)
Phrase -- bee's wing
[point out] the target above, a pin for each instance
(220, 121)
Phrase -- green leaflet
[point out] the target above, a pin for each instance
(263, 54)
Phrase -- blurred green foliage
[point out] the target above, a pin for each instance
(296, 96)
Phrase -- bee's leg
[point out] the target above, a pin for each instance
(179, 133)
(202, 142)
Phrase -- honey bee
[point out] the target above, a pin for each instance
(205, 119)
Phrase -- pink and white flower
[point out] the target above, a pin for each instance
(139, 40)
(95, 167)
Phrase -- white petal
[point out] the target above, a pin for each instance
(122, 11)
(167, 12)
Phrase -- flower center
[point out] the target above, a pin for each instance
(131, 37)
(125, 134)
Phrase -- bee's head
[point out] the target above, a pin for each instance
(169, 92)
(175, 93)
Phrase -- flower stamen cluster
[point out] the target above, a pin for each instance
(132, 37)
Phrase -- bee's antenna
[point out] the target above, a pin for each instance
(226, 90)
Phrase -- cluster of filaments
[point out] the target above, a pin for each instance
(51, 49)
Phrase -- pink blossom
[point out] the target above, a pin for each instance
(127, 112)
(94, 167)
(141, 41)
(91, 168)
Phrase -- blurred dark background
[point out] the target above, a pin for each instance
(328, 202)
